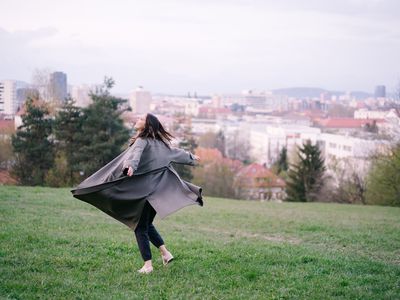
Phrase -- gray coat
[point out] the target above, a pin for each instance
(154, 179)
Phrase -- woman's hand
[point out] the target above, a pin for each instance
(196, 157)
(130, 171)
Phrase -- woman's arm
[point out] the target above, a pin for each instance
(134, 154)
(181, 156)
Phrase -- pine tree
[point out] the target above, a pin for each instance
(282, 162)
(306, 177)
(103, 133)
(32, 145)
(68, 125)
(220, 142)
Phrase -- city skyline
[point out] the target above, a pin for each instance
(178, 47)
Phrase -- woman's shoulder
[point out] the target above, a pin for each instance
(139, 141)
(148, 141)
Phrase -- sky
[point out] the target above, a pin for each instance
(204, 46)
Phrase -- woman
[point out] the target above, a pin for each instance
(141, 182)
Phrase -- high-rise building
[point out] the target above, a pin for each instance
(254, 99)
(58, 86)
(140, 101)
(81, 94)
(9, 100)
(380, 91)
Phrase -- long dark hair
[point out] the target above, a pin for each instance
(154, 129)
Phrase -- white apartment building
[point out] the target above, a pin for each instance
(267, 141)
(191, 108)
(339, 151)
(369, 114)
(9, 101)
(201, 126)
(345, 155)
(140, 100)
(80, 93)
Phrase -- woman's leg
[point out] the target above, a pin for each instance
(155, 237)
(142, 233)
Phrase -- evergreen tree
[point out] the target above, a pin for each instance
(32, 145)
(103, 133)
(282, 162)
(220, 142)
(68, 125)
(306, 177)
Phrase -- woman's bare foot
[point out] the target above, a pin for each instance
(165, 255)
(147, 267)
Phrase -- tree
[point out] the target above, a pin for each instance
(41, 82)
(67, 126)
(371, 127)
(383, 180)
(33, 145)
(306, 178)
(216, 174)
(183, 128)
(220, 142)
(103, 133)
(340, 111)
(208, 140)
(238, 147)
(213, 140)
(6, 153)
(349, 182)
(281, 165)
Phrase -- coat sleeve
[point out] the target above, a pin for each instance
(134, 154)
(181, 156)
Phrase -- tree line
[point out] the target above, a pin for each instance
(63, 148)
(308, 180)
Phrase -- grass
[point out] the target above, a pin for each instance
(53, 246)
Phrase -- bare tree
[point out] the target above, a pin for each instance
(41, 81)
(238, 147)
(348, 181)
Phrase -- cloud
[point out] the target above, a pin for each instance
(172, 45)
(24, 37)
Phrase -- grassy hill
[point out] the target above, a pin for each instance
(54, 246)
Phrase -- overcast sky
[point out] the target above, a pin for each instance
(205, 46)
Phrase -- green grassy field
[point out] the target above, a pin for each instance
(54, 246)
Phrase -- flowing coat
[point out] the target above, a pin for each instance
(153, 180)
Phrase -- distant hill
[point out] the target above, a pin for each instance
(312, 92)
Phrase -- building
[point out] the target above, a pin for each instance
(140, 101)
(58, 86)
(201, 126)
(9, 100)
(192, 108)
(380, 91)
(345, 124)
(24, 94)
(255, 182)
(349, 154)
(254, 99)
(81, 94)
(266, 142)
(370, 114)
(210, 112)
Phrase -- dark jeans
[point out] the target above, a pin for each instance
(145, 230)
